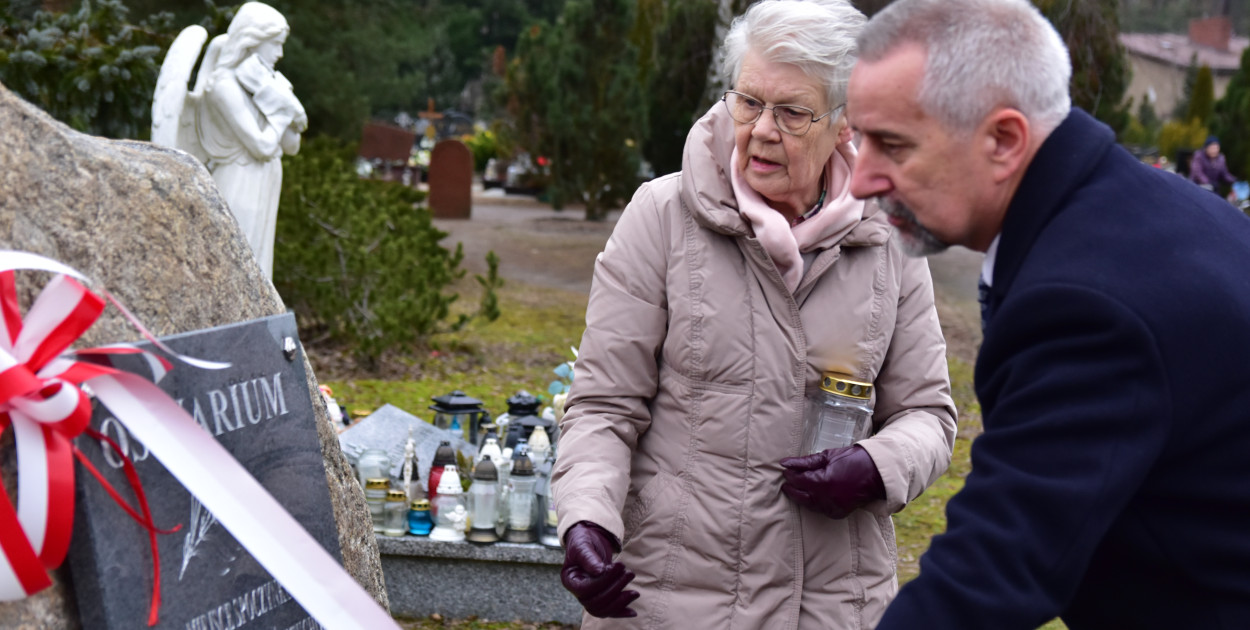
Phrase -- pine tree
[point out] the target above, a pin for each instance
(1147, 116)
(1231, 121)
(91, 69)
(1100, 68)
(577, 101)
(1202, 100)
(676, 85)
(1187, 92)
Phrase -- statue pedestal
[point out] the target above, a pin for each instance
(499, 582)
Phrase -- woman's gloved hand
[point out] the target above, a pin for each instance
(834, 482)
(591, 576)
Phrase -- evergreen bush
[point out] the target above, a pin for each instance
(577, 101)
(1177, 136)
(484, 144)
(1202, 100)
(360, 262)
(1232, 120)
(90, 69)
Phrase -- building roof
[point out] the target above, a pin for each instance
(1175, 49)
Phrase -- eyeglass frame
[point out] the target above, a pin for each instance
(815, 119)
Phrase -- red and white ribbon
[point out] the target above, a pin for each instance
(41, 400)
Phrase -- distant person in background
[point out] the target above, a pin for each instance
(1208, 168)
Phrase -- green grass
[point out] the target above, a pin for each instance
(490, 362)
(532, 336)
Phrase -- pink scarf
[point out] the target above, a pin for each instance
(837, 216)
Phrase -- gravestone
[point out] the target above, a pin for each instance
(149, 224)
(260, 412)
(390, 145)
(451, 180)
(388, 429)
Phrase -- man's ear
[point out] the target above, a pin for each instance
(1007, 138)
(844, 134)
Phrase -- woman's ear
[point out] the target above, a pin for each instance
(844, 134)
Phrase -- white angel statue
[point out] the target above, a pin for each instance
(239, 119)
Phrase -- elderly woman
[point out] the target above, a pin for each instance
(723, 295)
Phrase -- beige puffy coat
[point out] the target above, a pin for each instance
(690, 387)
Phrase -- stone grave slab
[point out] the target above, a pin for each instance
(260, 410)
(387, 429)
(451, 180)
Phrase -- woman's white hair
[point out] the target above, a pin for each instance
(817, 36)
(982, 54)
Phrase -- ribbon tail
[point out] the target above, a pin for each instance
(206, 469)
(145, 519)
(21, 572)
(60, 519)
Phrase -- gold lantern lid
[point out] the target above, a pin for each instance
(842, 385)
(396, 495)
(379, 483)
(421, 504)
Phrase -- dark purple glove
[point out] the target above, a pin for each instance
(834, 482)
(591, 576)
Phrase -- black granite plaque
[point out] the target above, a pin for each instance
(258, 409)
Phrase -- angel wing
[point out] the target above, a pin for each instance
(173, 107)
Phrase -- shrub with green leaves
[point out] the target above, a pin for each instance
(485, 144)
(359, 260)
(1177, 135)
(89, 68)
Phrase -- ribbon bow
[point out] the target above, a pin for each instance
(42, 396)
(41, 399)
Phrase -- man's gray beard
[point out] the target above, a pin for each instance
(915, 240)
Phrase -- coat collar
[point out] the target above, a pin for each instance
(1066, 158)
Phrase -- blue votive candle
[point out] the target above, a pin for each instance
(419, 521)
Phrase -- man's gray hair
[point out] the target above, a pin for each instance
(982, 54)
(817, 36)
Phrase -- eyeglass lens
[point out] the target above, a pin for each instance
(790, 118)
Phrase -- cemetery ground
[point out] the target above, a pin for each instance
(547, 260)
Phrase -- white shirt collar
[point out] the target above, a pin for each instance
(987, 265)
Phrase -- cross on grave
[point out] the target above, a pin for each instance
(430, 115)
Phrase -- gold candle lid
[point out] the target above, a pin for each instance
(380, 483)
(396, 495)
(842, 385)
(421, 504)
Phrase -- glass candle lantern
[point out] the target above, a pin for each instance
(395, 513)
(375, 496)
(839, 415)
(484, 503)
(485, 431)
(490, 450)
(464, 410)
(547, 535)
(521, 500)
(419, 522)
(373, 463)
(540, 445)
(443, 456)
(522, 417)
(450, 514)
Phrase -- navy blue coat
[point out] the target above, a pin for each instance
(1112, 484)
